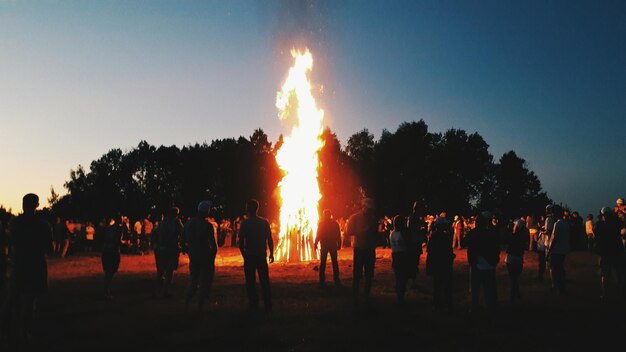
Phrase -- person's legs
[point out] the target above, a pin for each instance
(322, 268)
(437, 292)
(65, 247)
(447, 285)
(557, 265)
(541, 268)
(357, 272)
(335, 263)
(264, 280)
(194, 280)
(250, 269)
(475, 287)
(370, 261)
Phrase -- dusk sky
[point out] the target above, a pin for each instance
(544, 78)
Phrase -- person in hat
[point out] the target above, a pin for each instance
(201, 246)
(255, 241)
(363, 226)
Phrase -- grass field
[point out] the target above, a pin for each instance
(307, 318)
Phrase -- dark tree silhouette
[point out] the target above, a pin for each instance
(451, 171)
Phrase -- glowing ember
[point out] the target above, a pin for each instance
(298, 159)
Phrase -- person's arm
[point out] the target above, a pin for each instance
(337, 235)
(270, 242)
(242, 238)
(212, 241)
(317, 235)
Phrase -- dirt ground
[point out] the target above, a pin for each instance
(309, 318)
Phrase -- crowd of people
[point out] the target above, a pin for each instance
(28, 240)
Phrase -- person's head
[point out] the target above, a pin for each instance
(173, 212)
(326, 214)
(442, 215)
(606, 212)
(252, 207)
(590, 217)
(557, 211)
(368, 204)
(575, 214)
(619, 202)
(549, 209)
(204, 207)
(30, 202)
(399, 223)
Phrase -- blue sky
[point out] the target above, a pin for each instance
(544, 78)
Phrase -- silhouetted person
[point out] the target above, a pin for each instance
(544, 240)
(402, 262)
(559, 247)
(439, 260)
(610, 248)
(3, 258)
(166, 239)
(61, 238)
(515, 256)
(201, 245)
(363, 225)
(483, 255)
(255, 240)
(589, 226)
(30, 239)
(329, 238)
(111, 243)
(418, 229)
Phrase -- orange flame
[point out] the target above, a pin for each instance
(298, 159)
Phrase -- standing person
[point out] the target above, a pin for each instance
(146, 233)
(589, 232)
(402, 262)
(483, 255)
(543, 241)
(201, 245)
(3, 258)
(533, 229)
(558, 249)
(610, 248)
(60, 235)
(30, 239)
(111, 243)
(417, 228)
(255, 240)
(457, 226)
(515, 256)
(166, 239)
(90, 232)
(576, 231)
(439, 260)
(329, 238)
(363, 226)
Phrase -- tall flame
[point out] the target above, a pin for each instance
(298, 159)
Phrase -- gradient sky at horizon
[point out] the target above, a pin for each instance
(544, 78)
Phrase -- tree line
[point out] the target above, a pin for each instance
(451, 171)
